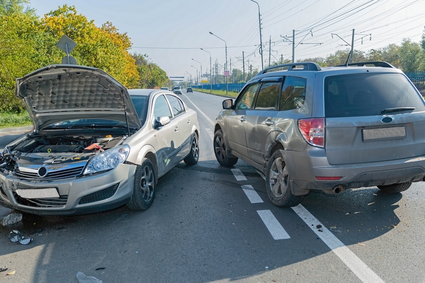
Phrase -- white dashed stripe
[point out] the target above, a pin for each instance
(357, 266)
(276, 230)
(251, 194)
(238, 174)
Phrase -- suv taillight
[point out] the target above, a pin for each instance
(313, 131)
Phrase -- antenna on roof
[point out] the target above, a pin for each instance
(67, 45)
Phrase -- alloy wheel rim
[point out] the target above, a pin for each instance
(195, 148)
(219, 147)
(278, 178)
(147, 183)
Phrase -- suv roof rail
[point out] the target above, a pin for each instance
(307, 66)
(371, 63)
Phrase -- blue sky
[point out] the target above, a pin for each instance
(172, 32)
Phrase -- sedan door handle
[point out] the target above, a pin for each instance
(269, 122)
(243, 119)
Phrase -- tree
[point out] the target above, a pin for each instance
(102, 47)
(151, 75)
(410, 56)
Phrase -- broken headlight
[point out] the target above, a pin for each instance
(107, 160)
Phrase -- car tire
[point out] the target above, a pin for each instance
(278, 182)
(144, 187)
(193, 156)
(395, 188)
(222, 155)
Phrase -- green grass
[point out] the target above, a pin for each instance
(217, 92)
(8, 120)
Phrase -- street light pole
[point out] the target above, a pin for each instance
(225, 64)
(261, 37)
(200, 64)
(210, 68)
(196, 73)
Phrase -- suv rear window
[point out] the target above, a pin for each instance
(368, 94)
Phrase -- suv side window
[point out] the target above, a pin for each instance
(246, 99)
(267, 96)
(293, 93)
(161, 108)
(176, 105)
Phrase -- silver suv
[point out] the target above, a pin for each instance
(306, 128)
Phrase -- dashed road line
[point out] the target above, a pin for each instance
(275, 228)
(239, 176)
(252, 194)
(357, 266)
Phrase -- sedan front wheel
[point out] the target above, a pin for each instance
(144, 187)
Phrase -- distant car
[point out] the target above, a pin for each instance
(177, 90)
(189, 89)
(331, 129)
(95, 144)
(164, 88)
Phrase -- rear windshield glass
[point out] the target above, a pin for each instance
(369, 94)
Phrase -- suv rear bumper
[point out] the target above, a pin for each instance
(315, 164)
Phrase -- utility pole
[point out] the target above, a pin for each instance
(261, 36)
(352, 48)
(243, 65)
(230, 70)
(270, 49)
(293, 46)
(281, 58)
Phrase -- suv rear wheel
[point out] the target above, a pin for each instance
(395, 188)
(278, 182)
(222, 155)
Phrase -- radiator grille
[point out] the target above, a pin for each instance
(59, 174)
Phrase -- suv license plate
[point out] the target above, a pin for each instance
(384, 133)
(38, 193)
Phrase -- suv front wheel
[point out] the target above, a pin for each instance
(278, 182)
(222, 155)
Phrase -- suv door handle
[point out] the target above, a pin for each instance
(243, 119)
(269, 122)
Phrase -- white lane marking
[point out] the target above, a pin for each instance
(276, 230)
(251, 194)
(239, 176)
(200, 111)
(357, 266)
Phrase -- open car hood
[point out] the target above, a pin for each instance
(65, 92)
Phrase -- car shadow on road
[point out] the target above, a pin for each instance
(200, 229)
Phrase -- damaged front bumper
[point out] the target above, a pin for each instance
(74, 195)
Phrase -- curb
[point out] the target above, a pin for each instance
(15, 130)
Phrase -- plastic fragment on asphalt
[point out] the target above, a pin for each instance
(82, 278)
(17, 237)
(11, 219)
(12, 272)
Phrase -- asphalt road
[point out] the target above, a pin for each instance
(213, 224)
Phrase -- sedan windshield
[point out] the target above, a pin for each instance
(87, 123)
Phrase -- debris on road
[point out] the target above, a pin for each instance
(17, 237)
(12, 272)
(11, 219)
(82, 278)
(3, 269)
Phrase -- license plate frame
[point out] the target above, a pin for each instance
(387, 133)
(42, 193)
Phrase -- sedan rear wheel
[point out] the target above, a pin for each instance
(278, 182)
(144, 187)
(193, 156)
(222, 155)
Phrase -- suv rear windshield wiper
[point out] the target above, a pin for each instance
(397, 109)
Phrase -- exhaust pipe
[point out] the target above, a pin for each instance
(338, 189)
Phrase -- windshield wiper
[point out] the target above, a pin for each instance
(397, 109)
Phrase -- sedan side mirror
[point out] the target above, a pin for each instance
(227, 104)
(161, 121)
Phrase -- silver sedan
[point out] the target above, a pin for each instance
(95, 144)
